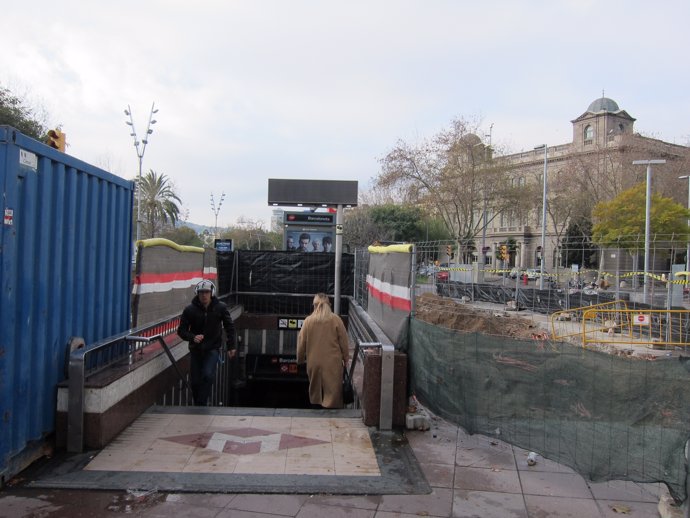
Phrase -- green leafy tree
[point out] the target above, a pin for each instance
(367, 224)
(183, 236)
(577, 247)
(625, 216)
(160, 205)
(248, 234)
(15, 112)
(399, 222)
(620, 222)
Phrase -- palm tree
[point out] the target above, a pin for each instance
(159, 203)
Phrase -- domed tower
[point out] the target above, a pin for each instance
(600, 124)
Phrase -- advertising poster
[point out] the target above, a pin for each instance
(309, 232)
(309, 240)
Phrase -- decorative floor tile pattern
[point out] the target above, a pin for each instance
(241, 444)
(476, 484)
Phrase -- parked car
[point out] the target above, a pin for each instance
(514, 273)
(534, 273)
(442, 275)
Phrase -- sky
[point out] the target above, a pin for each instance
(316, 89)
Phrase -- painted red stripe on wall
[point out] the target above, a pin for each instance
(398, 303)
(155, 278)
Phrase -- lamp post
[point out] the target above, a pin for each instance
(543, 220)
(647, 224)
(687, 252)
(141, 149)
(216, 211)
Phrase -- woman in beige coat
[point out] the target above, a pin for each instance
(322, 343)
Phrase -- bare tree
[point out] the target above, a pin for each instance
(453, 176)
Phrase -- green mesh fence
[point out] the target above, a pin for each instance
(607, 417)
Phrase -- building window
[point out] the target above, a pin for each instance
(589, 132)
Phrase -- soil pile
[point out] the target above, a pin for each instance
(461, 317)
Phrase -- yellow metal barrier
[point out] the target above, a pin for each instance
(565, 323)
(651, 327)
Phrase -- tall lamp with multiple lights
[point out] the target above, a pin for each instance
(141, 149)
(216, 211)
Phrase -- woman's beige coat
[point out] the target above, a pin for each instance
(324, 346)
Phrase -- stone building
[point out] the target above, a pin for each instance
(598, 158)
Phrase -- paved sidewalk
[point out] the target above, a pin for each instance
(469, 476)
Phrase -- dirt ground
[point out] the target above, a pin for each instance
(461, 317)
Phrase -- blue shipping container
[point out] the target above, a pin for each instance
(65, 270)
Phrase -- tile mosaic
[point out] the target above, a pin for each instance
(209, 461)
(160, 462)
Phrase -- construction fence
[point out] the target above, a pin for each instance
(607, 416)
(572, 277)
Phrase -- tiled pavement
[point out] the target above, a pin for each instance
(468, 475)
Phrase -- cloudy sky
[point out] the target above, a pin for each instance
(251, 90)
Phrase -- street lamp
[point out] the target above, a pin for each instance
(543, 221)
(141, 149)
(216, 210)
(687, 252)
(648, 205)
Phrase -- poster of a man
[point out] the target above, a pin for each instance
(304, 240)
(327, 243)
(309, 241)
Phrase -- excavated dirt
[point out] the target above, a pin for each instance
(461, 317)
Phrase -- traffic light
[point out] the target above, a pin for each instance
(57, 139)
(504, 253)
(449, 250)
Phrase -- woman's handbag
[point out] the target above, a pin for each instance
(348, 392)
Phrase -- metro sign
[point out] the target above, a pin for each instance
(244, 441)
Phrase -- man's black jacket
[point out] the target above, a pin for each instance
(197, 320)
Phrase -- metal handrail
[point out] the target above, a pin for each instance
(159, 338)
(367, 335)
(77, 370)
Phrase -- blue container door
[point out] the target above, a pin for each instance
(65, 271)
